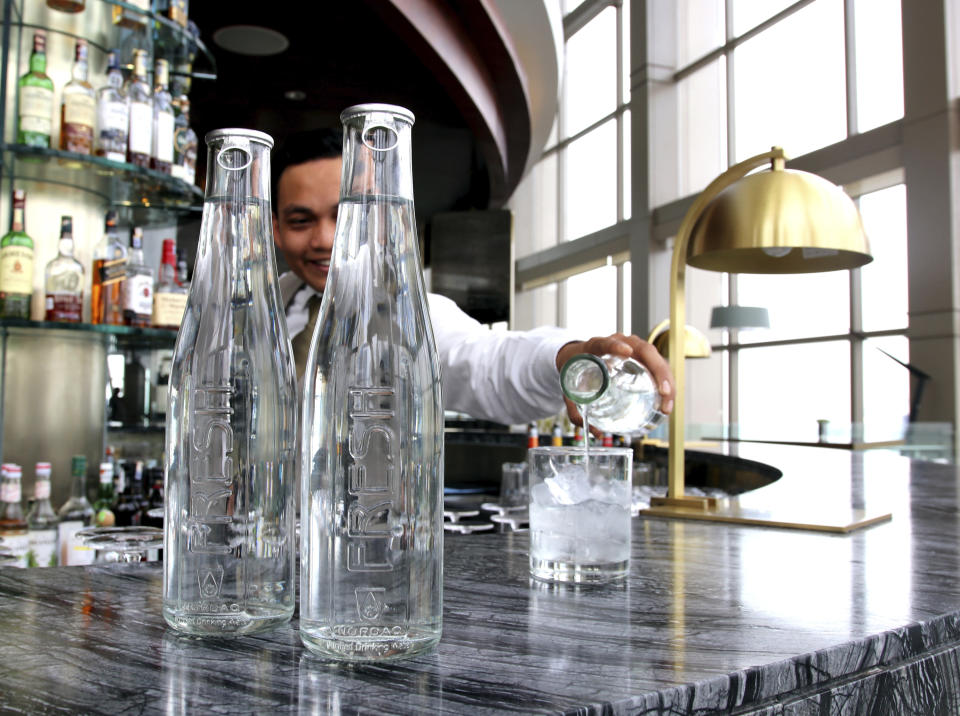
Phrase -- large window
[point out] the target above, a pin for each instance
(807, 75)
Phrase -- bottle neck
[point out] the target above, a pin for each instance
(38, 62)
(66, 245)
(16, 223)
(80, 71)
(115, 78)
(79, 487)
(377, 157)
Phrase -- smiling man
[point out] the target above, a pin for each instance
(506, 376)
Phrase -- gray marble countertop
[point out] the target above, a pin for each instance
(713, 618)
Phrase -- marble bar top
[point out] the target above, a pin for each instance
(713, 618)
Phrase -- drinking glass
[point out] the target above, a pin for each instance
(579, 513)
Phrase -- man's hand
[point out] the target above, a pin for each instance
(628, 347)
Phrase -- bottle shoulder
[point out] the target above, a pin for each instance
(16, 238)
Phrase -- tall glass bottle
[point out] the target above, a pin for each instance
(161, 152)
(42, 521)
(64, 280)
(16, 263)
(75, 514)
(371, 466)
(136, 291)
(140, 131)
(78, 107)
(113, 113)
(231, 421)
(14, 530)
(35, 90)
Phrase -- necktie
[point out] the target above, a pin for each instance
(301, 342)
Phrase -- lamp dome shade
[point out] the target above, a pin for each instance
(779, 221)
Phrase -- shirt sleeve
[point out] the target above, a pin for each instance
(508, 377)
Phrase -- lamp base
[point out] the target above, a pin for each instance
(728, 510)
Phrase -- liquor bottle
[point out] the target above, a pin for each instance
(35, 100)
(136, 294)
(533, 436)
(67, 5)
(136, 397)
(184, 143)
(103, 506)
(64, 280)
(161, 153)
(16, 264)
(140, 132)
(169, 299)
(233, 391)
(127, 509)
(78, 107)
(42, 522)
(130, 17)
(113, 112)
(13, 526)
(372, 379)
(556, 436)
(183, 276)
(109, 272)
(176, 10)
(75, 514)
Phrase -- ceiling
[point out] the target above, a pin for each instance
(377, 51)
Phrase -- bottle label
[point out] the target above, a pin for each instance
(164, 137)
(36, 109)
(141, 127)
(43, 548)
(80, 110)
(112, 271)
(168, 309)
(63, 307)
(72, 550)
(16, 269)
(10, 491)
(41, 489)
(18, 545)
(114, 119)
(137, 294)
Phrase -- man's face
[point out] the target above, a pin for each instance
(306, 217)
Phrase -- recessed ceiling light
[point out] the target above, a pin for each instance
(251, 40)
(295, 95)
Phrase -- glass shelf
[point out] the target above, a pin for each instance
(119, 184)
(125, 336)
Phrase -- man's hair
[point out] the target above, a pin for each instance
(302, 147)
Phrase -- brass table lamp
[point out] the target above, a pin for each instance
(776, 221)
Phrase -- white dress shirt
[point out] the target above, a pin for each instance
(509, 377)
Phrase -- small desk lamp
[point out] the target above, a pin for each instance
(776, 221)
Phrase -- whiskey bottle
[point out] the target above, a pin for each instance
(75, 514)
(140, 132)
(109, 273)
(103, 506)
(16, 264)
(42, 522)
(13, 526)
(64, 280)
(113, 113)
(137, 292)
(161, 154)
(78, 107)
(169, 299)
(184, 143)
(35, 98)
(130, 17)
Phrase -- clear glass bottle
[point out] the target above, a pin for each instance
(614, 394)
(13, 525)
(78, 107)
(113, 113)
(35, 98)
(75, 514)
(109, 272)
(231, 420)
(136, 293)
(42, 522)
(16, 263)
(169, 298)
(184, 143)
(161, 149)
(140, 130)
(371, 466)
(64, 280)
